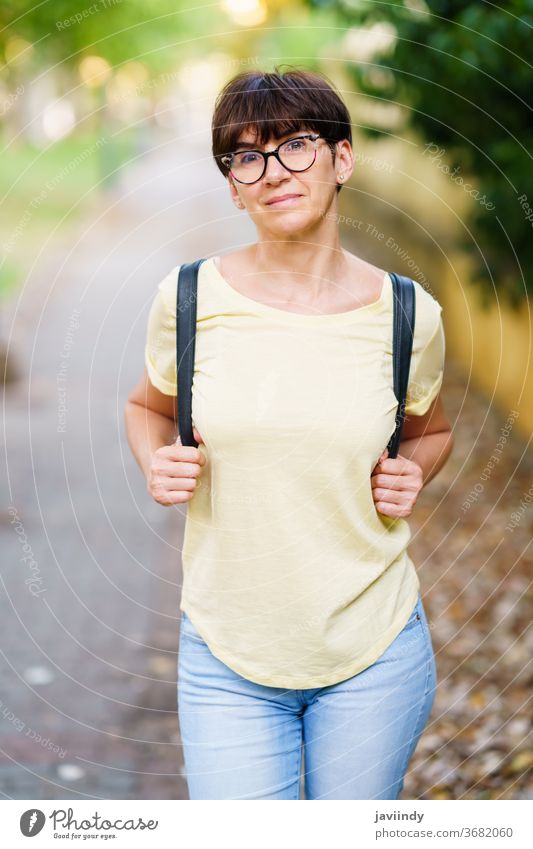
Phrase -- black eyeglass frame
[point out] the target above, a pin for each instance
(227, 158)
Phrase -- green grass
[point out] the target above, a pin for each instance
(40, 187)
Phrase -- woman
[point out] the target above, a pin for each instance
(302, 624)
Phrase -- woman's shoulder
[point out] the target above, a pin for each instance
(428, 318)
(167, 291)
(167, 288)
(428, 308)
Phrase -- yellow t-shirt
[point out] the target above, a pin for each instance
(290, 574)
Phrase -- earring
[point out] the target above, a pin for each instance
(341, 176)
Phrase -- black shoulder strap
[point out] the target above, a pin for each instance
(186, 298)
(403, 331)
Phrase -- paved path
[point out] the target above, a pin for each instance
(89, 660)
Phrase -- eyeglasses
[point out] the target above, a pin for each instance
(296, 154)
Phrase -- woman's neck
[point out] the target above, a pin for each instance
(302, 266)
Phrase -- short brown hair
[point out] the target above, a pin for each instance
(275, 104)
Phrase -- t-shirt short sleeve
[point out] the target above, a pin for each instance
(427, 359)
(160, 348)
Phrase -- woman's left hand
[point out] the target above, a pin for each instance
(396, 483)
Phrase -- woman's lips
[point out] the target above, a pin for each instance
(284, 200)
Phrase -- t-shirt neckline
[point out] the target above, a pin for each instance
(302, 318)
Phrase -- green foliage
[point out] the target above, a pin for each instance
(461, 68)
(64, 31)
(47, 188)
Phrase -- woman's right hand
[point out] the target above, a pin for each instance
(174, 471)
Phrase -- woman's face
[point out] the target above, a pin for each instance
(315, 188)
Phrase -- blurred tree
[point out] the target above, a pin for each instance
(85, 46)
(461, 70)
(64, 31)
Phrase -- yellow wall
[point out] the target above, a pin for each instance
(492, 346)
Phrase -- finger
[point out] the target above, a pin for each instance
(388, 496)
(175, 484)
(178, 469)
(395, 511)
(388, 510)
(396, 482)
(394, 464)
(183, 452)
(169, 457)
(167, 499)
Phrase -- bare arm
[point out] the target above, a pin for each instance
(170, 468)
(428, 440)
(426, 444)
(151, 421)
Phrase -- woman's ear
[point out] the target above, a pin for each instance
(345, 159)
(234, 193)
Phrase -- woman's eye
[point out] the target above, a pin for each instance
(247, 158)
(297, 144)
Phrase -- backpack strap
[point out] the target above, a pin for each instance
(403, 331)
(186, 299)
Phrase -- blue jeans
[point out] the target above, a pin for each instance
(243, 740)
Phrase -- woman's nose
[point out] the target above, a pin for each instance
(275, 170)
